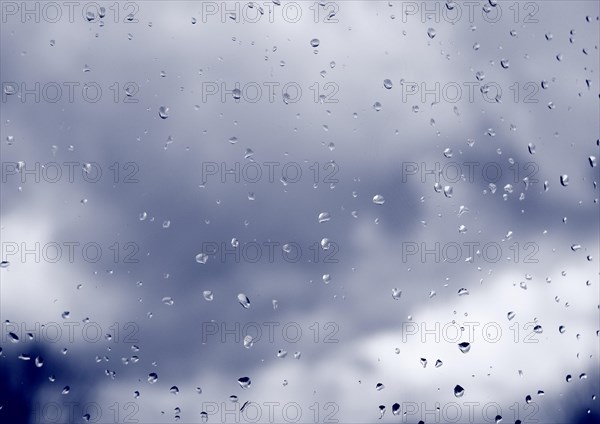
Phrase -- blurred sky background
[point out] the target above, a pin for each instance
(366, 139)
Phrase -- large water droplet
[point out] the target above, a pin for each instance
(152, 378)
(315, 42)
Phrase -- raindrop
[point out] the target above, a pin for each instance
(448, 152)
(464, 347)
(244, 301)
(431, 32)
(438, 363)
(66, 390)
(379, 386)
(463, 292)
(326, 278)
(168, 301)
(233, 140)
(201, 258)
(561, 329)
(505, 63)
(378, 199)
(510, 315)
(531, 148)
(593, 162)
(163, 112)
(248, 341)
(396, 409)
(538, 329)
(387, 83)
(315, 42)
(244, 382)
(448, 191)
(208, 295)
(396, 293)
(324, 217)
(174, 390)
(423, 362)
(377, 106)
(458, 391)
(564, 180)
(325, 243)
(152, 378)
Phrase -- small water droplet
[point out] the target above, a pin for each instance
(315, 42)
(324, 217)
(244, 382)
(163, 112)
(152, 378)
(244, 301)
(464, 347)
(378, 199)
(458, 391)
(387, 83)
(201, 258)
(208, 295)
(431, 32)
(564, 180)
(248, 341)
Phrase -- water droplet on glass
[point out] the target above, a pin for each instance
(438, 363)
(458, 391)
(564, 180)
(326, 278)
(201, 258)
(387, 83)
(163, 112)
(378, 199)
(315, 42)
(505, 63)
(248, 341)
(464, 347)
(377, 106)
(152, 378)
(463, 292)
(168, 301)
(244, 301)
(324, 217)
(174, 390)
(396, 293)
(208, 295)
(431, 32)
(244, 382)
